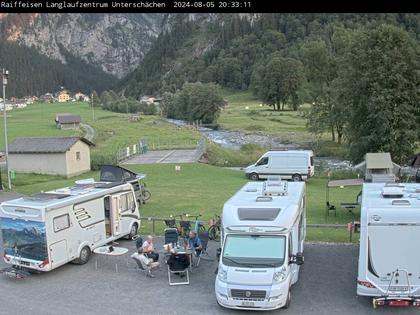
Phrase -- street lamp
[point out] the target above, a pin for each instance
(5, 77)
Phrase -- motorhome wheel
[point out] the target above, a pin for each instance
(296, 178)
(287, 301)
(84, 256)
(133, 231)
(253, 176)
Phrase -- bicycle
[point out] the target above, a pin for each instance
(215, 228)
(184, 225)
(145, 194)
(198, 226)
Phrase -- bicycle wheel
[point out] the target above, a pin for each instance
(201, 229)
(146, 195)
(214, 232)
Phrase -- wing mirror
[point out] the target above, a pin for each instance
(297, 259)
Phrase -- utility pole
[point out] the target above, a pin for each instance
(5, 75)
(93, 110)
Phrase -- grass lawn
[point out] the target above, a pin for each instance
(245, 113)
(113, 130)
(201, 188)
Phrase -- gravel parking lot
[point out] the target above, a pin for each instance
(326, 286)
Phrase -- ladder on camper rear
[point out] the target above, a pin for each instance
(396, 275)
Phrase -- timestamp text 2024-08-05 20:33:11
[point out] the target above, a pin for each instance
(122, 4)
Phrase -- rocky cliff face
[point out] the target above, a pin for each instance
(114, 42)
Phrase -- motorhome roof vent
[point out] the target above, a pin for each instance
(392, 192)
(258, 214)
(264, 199)
(275, 188)
(273, 180)
(251, 189)
(401, 202)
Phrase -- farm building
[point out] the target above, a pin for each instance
(66, 156)
(378, 167)
(67, 121)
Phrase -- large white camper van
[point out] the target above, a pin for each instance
(264, 228)
(389, 257)
(296, 165)
(49, 229)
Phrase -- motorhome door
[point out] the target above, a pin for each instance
(115, 215)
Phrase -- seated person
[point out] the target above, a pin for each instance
(147, 263)
(178, 262)
(149, 250)
(195, 243)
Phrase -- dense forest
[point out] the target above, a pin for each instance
(226, 49)
(34, 74)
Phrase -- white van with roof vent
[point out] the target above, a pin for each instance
(47, 230)
(264, 228)
(296, 165)
(389, 259)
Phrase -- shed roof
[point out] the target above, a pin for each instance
(67, 118)
(378, 160)
(45, 145)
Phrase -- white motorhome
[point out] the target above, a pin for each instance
(49, 229)
(296, 165)
(264, 228)
(389, 268)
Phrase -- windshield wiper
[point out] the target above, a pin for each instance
(238, 263)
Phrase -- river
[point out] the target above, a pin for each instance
(235, 139)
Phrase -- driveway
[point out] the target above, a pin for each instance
(326, 286)
(164, 156)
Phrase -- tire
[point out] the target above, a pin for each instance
(146, 195)
(296, 178)
(133, 231)
(254, 176)
(286, 306)
(84, 256)
(201, 228)
(214, 232)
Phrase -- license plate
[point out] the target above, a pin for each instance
(397, 288)
(247, 303)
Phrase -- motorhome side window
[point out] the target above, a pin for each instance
(127, 202)
(61, 222)
(263, 161)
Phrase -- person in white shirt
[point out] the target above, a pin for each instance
(149, 250)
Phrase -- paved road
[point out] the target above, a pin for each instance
(326, 286)
(164, 156)
(89, 131)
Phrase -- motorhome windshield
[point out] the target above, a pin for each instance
(254, 250)
(24, 239)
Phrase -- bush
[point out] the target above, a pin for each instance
(97, 159)
(218, 156)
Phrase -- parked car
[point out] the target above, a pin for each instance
(296, 165)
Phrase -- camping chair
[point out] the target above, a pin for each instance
(171, 236)
(178, 264)
(331, 207)
(204, 238)
(139, 242)
(147, 270)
